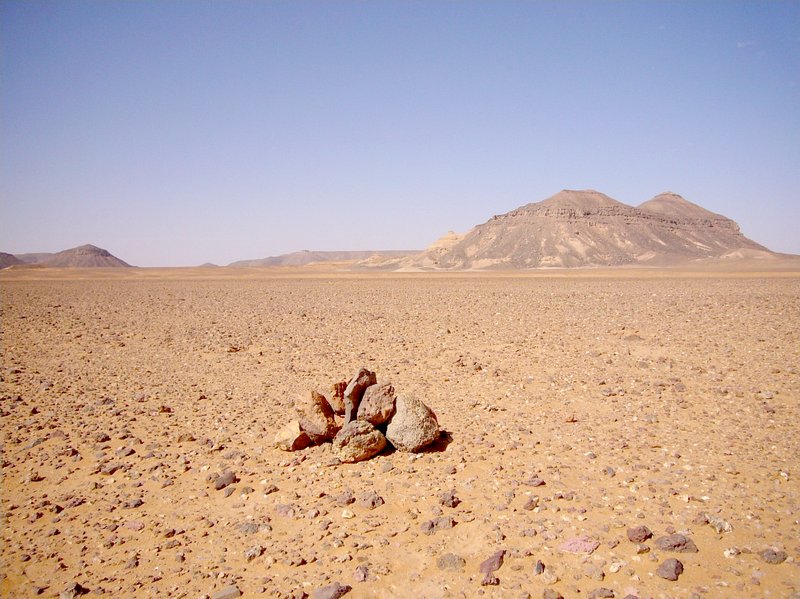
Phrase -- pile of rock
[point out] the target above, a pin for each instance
(373, 416)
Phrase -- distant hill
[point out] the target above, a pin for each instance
(584, 229)
(7, 260)
(84, 256)
(306, 257)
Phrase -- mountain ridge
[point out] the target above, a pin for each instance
(586, 228)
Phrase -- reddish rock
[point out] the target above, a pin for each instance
(336, 397)
(315, 416)
(377, 404)
(355, 391)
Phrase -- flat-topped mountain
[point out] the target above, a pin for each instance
(588, 228)
(84, 256)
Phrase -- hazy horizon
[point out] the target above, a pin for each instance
(184, 133)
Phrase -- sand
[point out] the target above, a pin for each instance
(577, 405)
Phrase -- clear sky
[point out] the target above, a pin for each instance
(177, 133)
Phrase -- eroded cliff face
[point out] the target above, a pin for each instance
(588, 228)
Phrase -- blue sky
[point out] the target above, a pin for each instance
(176, 133)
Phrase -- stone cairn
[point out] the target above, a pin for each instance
(374, 416)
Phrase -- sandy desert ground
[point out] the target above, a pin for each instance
(578, 406)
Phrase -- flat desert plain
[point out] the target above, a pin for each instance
(578, 408)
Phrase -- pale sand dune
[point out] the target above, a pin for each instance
(639, 397)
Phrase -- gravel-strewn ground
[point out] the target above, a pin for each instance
(577, 407)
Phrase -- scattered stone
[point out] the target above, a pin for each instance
(441, 523)
(771, 556)
(538, 568)
(355, 391)
(449, 499)
(580, 545)
(718, 524)
(413, 426)
(253, 552)
(73, 590)
(331, 591)
(291, 437)
(670, 569)
(315, 417)
(377, 405)
(228, 592)
(490, 565)
(361, 574)
(370, 500)
(451, 561)
(676, 542)
(601, 593)
(551, 594)
(224, 479)
(358, 440)
(639, 534)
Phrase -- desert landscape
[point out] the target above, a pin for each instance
(598, 427)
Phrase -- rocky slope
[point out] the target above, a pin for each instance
(588, 228)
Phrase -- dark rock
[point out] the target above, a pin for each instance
(601, 593)
(331, 591)
(344, 498)
(639, 534)
(551, 594)
(538, 568)
(361, 574)
(224, 479)
(676, 542)
(670, 569)
(493, 562)
(771, 556)
(413, 426)
(451, 561)
(370, 500)
(73, 590)
(355, 391)
(449, 499)
(358, 440)
(441, 523)
(315, 416)
(377, 404)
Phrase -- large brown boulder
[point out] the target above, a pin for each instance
(413, 426)
(316, 417)
(291, 437)
(355, 390)
(358, 440)
(377, 404)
